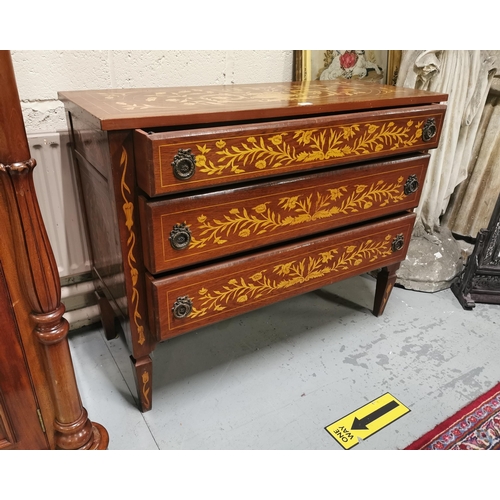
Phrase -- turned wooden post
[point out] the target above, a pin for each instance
(38, 273)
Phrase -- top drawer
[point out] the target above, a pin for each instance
(185, 160)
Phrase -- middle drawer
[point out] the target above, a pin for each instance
(185, 230)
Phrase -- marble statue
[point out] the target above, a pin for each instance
(472, 203)
(434, 257)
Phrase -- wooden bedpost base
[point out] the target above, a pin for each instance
(81, 434)
(386, 279)
(143, 372)
(73, 429)
(38, 273)
(101, 437)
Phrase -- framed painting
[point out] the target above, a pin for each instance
(379, 66)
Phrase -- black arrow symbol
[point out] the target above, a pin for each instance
(360, 424)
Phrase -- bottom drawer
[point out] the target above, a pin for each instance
(191, 299)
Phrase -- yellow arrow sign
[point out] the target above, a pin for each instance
(367, 420)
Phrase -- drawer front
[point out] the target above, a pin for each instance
(192, 299)
(177, 161)
(227, 222)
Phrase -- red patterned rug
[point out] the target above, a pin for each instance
(474, 427)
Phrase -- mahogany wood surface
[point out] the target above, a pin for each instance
(240, 153)
(141, 339)
(386, 279)
(20, 425)
(226, 222)
(225, 290)
(25, 326)
(106, 174)
(119, 109)
(35, 269)
(338, 141)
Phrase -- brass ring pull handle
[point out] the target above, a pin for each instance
(182, 307)
(429, 130)
(411, 185)
(184, 164)
(398, 243)
(180, 236)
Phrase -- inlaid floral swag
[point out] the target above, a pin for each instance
(271, 151)
(289, 274)
(299, 209)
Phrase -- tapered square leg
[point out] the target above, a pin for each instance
(143, 372)
(386, 279)
(108, 318)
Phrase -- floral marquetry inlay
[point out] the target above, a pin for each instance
(214, 97)
(128, 209)
(290, 149)
(289, 211)
(305, 146)
(289, 274)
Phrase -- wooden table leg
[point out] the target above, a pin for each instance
(386, 279)
(108, 318)
(143, 372)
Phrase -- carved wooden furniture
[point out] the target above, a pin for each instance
(213, 201)
(480, 280)
(40, 407)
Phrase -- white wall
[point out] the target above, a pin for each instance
(41, 74)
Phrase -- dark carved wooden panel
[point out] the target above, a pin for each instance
(19, 423)
(7, 437)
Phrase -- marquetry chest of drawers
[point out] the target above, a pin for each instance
(203, 203)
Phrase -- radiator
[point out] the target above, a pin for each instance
(57, 194)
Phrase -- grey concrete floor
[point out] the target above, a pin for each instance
(274, 379)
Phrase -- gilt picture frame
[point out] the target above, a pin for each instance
(379, 66)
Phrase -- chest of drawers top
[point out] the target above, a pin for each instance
(175, 106)
(192, 138)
